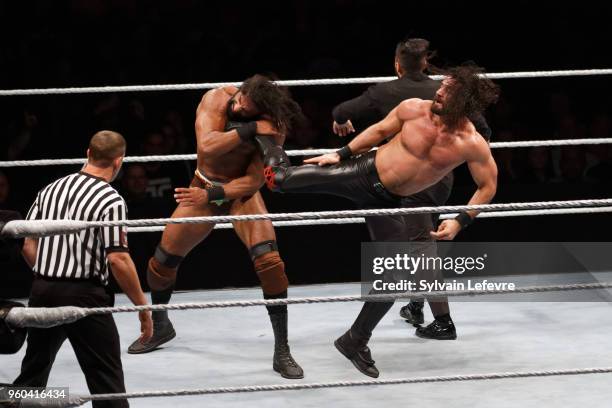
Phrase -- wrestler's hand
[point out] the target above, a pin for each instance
(192, 196)
(146, 326)
(344, 129)
(325, 160)
(447, 230)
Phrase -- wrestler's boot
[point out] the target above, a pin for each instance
(413, 312)
(283, 363)
(353, 343)
(161, 273)
(275, 161)
(271, 272)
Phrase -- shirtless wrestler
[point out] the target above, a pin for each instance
(229, 123)
(429, 139)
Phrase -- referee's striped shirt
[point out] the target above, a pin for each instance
(79, 256)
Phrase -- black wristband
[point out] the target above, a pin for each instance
(215, 193)
(464, 219)
(344, 152)
(247, 131)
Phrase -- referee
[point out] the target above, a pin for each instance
(73, 270)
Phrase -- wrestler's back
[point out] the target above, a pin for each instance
(421, 153)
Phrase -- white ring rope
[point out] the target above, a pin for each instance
(348, 298)
(76, 400)
(302, 152)
(49, 317)
(361, 220)
(295, 82)
(39, 228)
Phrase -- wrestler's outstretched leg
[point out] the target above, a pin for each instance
(260, 239)
(177, 241)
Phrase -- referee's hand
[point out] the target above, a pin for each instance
(146, 326)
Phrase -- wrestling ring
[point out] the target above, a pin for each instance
(501, 348)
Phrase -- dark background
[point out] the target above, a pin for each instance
(82, 43)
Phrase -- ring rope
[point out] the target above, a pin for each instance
(295, 82)
(302, 152)
(361, 220)
(350, 298)
(49, 317)
(39, 228)
(76, 400)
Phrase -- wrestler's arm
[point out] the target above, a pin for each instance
(212, 140)
(244, 186)
(484, 173)
(248, 184)
(375, 134)
(372, 136)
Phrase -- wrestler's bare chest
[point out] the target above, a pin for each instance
(426, 143)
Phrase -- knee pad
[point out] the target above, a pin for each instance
(161, 271)
(270, 268)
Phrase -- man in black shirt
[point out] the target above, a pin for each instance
(411, 61)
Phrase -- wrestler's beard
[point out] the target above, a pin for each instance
(438, 111)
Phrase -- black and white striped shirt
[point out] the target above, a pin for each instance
(79, 256)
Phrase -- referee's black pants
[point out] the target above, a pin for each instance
(94, 339)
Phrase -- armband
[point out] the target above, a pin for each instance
(344, 152)
(216, 195)
(464, 219)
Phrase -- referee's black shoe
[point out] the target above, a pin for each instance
(163, 332)
(413, 313)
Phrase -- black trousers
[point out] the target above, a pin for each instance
(406, 228)
(94, 339)
(358, 180)
(355, 179)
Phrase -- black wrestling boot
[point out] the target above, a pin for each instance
(440, 329)
(413, 313)
(163, 331)
(357, 351)
(283, 363)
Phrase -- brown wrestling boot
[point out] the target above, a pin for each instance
(283, 363)
(163, 332)
(357, 351)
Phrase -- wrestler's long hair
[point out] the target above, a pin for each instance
(468, 94)
(273, 101)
